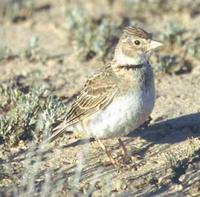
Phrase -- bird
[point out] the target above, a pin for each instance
(120, 97)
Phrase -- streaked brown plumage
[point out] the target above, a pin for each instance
(97, 93)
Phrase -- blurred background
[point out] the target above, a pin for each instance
(48, 49)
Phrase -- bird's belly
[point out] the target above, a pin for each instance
(122, 116)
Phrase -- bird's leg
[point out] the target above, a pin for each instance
(107, 152)
(124, 150)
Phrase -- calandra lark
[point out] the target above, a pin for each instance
(118, 99)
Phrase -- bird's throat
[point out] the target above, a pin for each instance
(124, 60)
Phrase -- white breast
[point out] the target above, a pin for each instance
(122, 116)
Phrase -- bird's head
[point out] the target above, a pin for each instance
(135, 47)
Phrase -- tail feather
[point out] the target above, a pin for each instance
(57, 132)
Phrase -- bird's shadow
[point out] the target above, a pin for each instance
(172, 130)
(79, 142)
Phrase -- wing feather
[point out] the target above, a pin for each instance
(90, 101)
(97, 93)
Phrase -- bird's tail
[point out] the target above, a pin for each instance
(57, 132)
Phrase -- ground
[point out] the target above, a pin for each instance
(47, 50)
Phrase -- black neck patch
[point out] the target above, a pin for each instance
(129, 66)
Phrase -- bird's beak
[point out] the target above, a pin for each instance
(154, 44)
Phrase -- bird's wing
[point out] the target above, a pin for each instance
(97, 93)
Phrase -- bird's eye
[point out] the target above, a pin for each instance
(137, 42)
